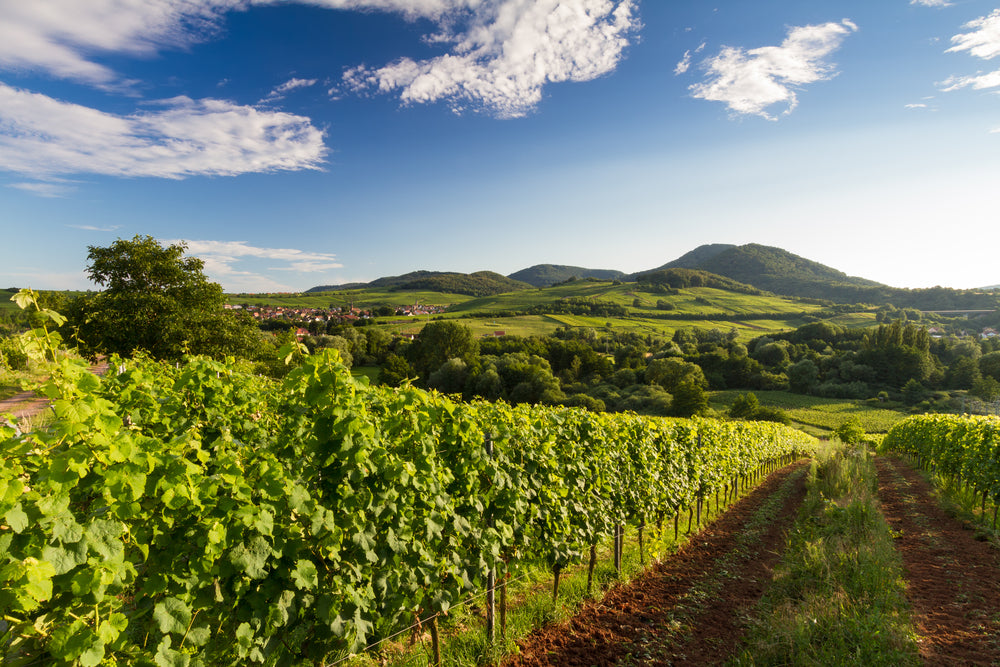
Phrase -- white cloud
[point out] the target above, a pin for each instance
(228, 252)
(982, 41)
(983, 38)
(977, 82)
(931, 3)
(505, 51)
(48, 189)
(684, 63)
(62, 37)
(915, 106)
(288, 86)
(751, 81)
(225, 262)
(44, 137)
(92, 228)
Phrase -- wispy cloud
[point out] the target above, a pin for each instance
(228, 252)
(44, 137)
(981, 40)
(62, 37)
(918, 105)
(976, 82)
(51, 190)
(685, 62)
(931, 3)
(227, 262)
(92, 228)
(292, 84)
(749, 82)
(503, 53)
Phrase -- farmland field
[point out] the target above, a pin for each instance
(822, 413)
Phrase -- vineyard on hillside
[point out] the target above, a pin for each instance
(199, 514)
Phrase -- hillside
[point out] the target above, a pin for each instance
(546, 275)
(480, 283)
(781, 272)
(694, 259)
(765, 267)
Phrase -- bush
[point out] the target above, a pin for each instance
(12, 356)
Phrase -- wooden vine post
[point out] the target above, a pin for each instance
(435, 641)
(491, 575)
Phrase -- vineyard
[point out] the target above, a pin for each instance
(966, 449)
(199, 514)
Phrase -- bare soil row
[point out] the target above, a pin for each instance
(677, 613)
(952, 574)
(689, 609)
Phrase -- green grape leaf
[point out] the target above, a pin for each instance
(16, 518)
(305, 576)
(172, 615)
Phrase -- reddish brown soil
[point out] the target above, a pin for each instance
(953, 579)
(690, 609)
(28, 404)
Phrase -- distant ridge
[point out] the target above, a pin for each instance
(480, 283)
(761, 267)
(546, 275)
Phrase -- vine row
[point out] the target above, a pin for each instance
(201, 515)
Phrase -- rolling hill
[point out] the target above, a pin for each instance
(546, 275)
(480, 283)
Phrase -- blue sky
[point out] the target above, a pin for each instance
(300, 143)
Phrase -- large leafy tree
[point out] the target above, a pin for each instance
(156, 299)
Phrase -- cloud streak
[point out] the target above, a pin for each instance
(749, 82)
(45, 138)
(226, 261)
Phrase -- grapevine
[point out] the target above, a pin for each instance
(198, 514)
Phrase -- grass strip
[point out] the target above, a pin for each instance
(838, 596)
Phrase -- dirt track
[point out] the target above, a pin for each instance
(953, 579)
(27, 404)
(689, 609)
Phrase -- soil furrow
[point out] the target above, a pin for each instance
(689, 609)
(953, 579)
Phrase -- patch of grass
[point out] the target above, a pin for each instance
(838, 597)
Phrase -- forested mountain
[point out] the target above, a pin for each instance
(480, 283)
(766, 267)
(545, 275)
(781, 272)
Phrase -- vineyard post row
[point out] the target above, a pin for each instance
(204, 515)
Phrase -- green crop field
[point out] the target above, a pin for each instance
(822, 413)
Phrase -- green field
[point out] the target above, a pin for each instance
(778, 313)
(824, 414)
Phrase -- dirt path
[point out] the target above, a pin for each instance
(27, 404)
(690, 609)
(953, 579)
